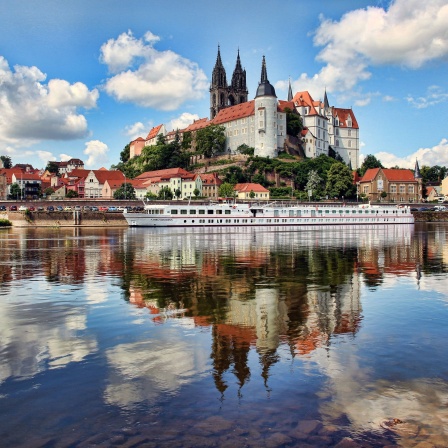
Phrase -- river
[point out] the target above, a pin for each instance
(254, 337)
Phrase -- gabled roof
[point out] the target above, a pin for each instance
(210, 179)
(78, 172)
(248, 187)
(9, 172)
(197, 124)
(392, 175)
(282, 105)
(342, 115)
(110, 176)
(159, 173)
(153, 132)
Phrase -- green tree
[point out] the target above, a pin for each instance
(150, 195)
(433, 174)
(251, 194)
(234, 175)
(383, 194)
(178, 193)
(165, 193)
(15, 191)
(210, 140)
(226, 190)
(52, 167)
(340, 181)
(126, 191)
(125, 154)
(369, 162)
(71, 194)
(294, 123)
(245, 149)
(48, 191)
(7, 163)
(196, 192)
(187, 140)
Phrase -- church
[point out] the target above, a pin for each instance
(261, 123)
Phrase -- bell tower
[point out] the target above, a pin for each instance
(238, 89)
(218, 87)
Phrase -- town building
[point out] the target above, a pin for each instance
(210, 185)
(252, 191)
(392, 185)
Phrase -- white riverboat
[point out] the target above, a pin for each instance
(230, 214)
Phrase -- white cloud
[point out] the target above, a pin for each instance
(388, 98)
(31, 110)
(142, 75)
(135, 130)
(410, 33)
(437, 155)
(181, 122)
(97, 152)
(434, 95)
(65, 157)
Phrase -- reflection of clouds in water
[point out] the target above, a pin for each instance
(96, 292)
(45, 342)
(435, 284)
(144, 370)
(367, 404)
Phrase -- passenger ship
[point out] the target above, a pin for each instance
(273, 214)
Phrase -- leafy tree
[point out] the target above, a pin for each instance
(126, 153)
(340, 181)
(71, 194)
(383, 194)
(48, 191)
(165, 193)
(433, 174)
(15, 191)
(245, 149)
(234, 175)
(178, 193)
(226, 190)
(7, 163)
(260, 179)
(314, 183)
(369, 162)
(196, 192)
(187, 140)
(150, 195)
(294, 123)
(210, 140)
(251, 194)
(126, 191)
(52, 167)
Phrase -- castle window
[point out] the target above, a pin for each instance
(337, 142)
(349, 132)
(349, 143)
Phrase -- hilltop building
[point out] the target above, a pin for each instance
(261, 123)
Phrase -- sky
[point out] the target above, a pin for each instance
(81, 79)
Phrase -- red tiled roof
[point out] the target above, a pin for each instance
(343, 115)
(256, 188)
(9, 172)
(392, 175)
(282, 105)
(231, 113)
(210, 179)
(153, 132)
(78, 172)
(159, 173)
(110, 176)
(197, 124)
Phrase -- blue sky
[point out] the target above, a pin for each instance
(83, 78)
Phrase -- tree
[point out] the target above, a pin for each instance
(178, 193)
(126, 153)
(211, 140)
(369, 162)
(15, 191)
(165, 193)
(251, 194)
(150, 195)
(340, 181)
(48, 191)
(52, 167)
(71, 194)
(226, 190)
(126, 191)
(294, 123)
(234, 175)
(314, 183)
(245, 149)
(383, 194)
(196, 192)
(7, 163)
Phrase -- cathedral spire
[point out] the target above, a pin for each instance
(239, 81)
(265, 88)
(417, 174)
(326, 103)
(219, 73)
(290, 96)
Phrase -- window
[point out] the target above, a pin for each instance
(349, 143)
(349, 132)
(411, 189)
(393, 188)
(402, 188)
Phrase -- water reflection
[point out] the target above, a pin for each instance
(342, 326)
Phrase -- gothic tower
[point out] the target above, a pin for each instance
(222, 95)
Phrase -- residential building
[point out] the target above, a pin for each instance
(29, 183)
(244, 191)
(151, 138)
(210, 185)
(398, 185)
(70, 165)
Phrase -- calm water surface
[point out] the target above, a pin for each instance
(252, 337)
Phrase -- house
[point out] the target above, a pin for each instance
(394, 185)
(433, 193)
(244, 191)
(136, 146)
(70, 165)
(29, 183)
(151, 138)
(210, 185)
(59, 193)
(95, 180)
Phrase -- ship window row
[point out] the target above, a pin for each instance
(199, 212)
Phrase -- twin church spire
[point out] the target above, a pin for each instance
(223, 95)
